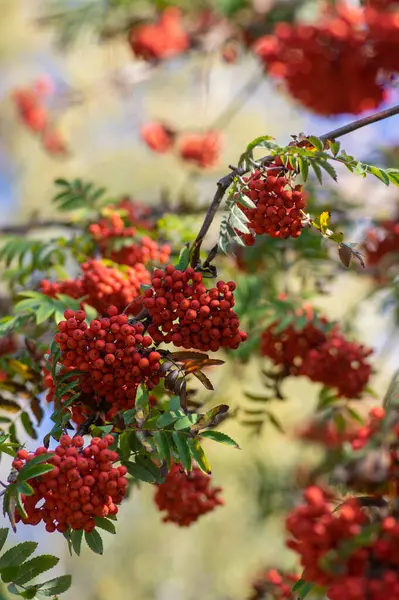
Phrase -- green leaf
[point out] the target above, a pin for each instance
(237, 224)
(218, 436)
(162, 444)
(302, 588)
(329, 169)
(168, 418)
(146, 463)
(17, 555)
(25, 488)
(3, 536)
(27, 593)
(211, 418)
(105, 524)
(28, 425)
(245, 201)
(334, 147)
(316, 142)
(76, 540)
(44, 312)
(128, 416)
(142, 398)
(33, 471)
(303, 167)
(94, 541)
(184, 259)
(139, 472)
(34, 567)
(379, 173)
(58, 585)
(182, 450)
(317, 171)
(186, 422)
(197, 452)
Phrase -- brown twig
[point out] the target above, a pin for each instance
(21, 229)
(224, 183)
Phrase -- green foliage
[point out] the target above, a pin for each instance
(74, 195)
(42, 307)
(17, 571)
(21, 257)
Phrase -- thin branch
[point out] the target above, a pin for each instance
(380, 116)
(224, 183)
(23, 228)
(238, 101)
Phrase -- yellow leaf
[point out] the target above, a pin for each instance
(22, 369)
(324, 220)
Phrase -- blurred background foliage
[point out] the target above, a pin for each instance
(82, 47)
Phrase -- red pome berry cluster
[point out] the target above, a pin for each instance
(157, 136)
(201, 149)
(331, 67)
(185, 313)
(325, 432)
(369, 570)
(32, 110)
(380, 242)
(278, 205)
(103, 286)
(322, 354)
(161, 40)
(82, 485)
(186, 497)
(136, 213)
(289, 347)
(144, 251)
(110, 227)
(339, 363)
(274, 584)
(383, 31)
(115, 355)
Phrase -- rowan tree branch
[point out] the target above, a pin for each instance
(224, 183)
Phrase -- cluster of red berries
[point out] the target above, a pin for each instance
(82, 485)
(110, 227)
(185, 313)
(102, 285)
(325, 432)
(381, 242)
(160, 40)
(323, 356)
(186, 497)
(33, 113)
(332, 67)
(278, 205)
(144, 251)
(363, 434)
(158, 137)
(115, 355)
(371, 568)
(339, 363)
(201, 149)
(290, 346)
(274, 584)
(383, 31)
(137, 214)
